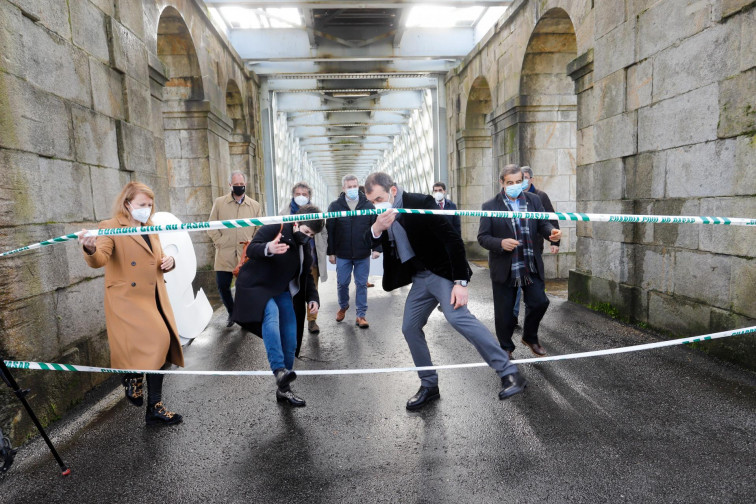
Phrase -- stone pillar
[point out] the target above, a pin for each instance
(473, 180)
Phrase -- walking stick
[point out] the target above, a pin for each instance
(21, 394)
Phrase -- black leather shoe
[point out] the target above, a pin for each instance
(423, 397)
(134, 390)
(288, 396)
(157, 414)
(229, 321)
(284, 377)
(512, 384)
(535, 348)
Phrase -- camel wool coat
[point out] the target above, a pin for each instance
(141, 327)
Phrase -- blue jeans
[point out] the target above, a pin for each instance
(344, 276)
(279, 331)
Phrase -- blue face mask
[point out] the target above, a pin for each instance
(525, 185)
(352, 193)
(514, 190)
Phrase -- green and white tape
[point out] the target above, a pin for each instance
(278, 219)
(48, 366)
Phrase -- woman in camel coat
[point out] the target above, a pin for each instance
(141, 327)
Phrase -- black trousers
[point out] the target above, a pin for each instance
(224, 279)
(300, 310)
(536, 303)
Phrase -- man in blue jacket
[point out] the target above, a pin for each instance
(348, 250)
(444, 203)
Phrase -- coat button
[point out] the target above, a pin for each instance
(133, 284)
(133, 263)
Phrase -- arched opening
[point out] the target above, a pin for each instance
(548, 122)
(176, 50)
(235, 108)
(478, 104)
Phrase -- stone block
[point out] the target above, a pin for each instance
(106, 6)
(665, 23)
(608, 180)
(12, 58)
(195, 144)
(94, 138)
(107, 183)
(645, 175)
(611, 260)
(730, 7)
(156, 117)
(542, 161)
(679, 316)
(566, 161)
(80, 311)
(606, 17)
(676, 235)
(565, 263)
(557, 187)
(611, 231)
(550, 265)
(17, 204)
(29, 328)
(65, 189)
(136, 147)
(609, 94)
(745, 166)
(172, 144)
(703, 277)
(742, 280)
(689, 169)
(127, 52)
(130, 13)
(616, 136)
(586, 151)
(554, 135)
(697, 61)
(587, 107)
(686, 119)
(639, 84)
(88, 29)
(107, 89)
(733, 240)
(138, 103)
(655, 269)
(77, 269)
(737, 105)
(547, 83)
(748, 40)
(52, 14)
(614, 51)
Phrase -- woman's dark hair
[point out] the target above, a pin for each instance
(315, 225)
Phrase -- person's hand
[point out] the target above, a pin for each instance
(555, 249)
(556, 235)
(509, 244)
(167, 263)
(275, 247)
(384, 221)
(88, 242)
(332, 259)
(458, 296)
(376, 254)
(313, 306)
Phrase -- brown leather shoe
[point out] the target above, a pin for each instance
(362, 323)
(370, 285)
(313, 327)
(535, 348)
(341, 314)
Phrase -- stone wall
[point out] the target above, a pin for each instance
(663, 111)
(94, 94)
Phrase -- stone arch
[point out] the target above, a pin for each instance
(176, 50)
(479, 104)
(235, 108)
(548, 118)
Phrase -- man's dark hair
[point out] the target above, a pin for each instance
(510, 169)
(440, 184)
(315, 225)
(382, 179)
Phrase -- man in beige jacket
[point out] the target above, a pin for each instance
(229, 242)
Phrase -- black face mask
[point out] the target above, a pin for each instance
(301, 238)
(239, 190)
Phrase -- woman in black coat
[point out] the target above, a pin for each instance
(277, 269)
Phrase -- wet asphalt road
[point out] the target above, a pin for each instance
(669, 425)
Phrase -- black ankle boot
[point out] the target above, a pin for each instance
(134, 390)
(157, 414)
(287, 396)
(284, 377)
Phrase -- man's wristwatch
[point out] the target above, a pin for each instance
(463, 283)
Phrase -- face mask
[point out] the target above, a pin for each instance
(239, 190)
(301, 200)
(141, 214)
(513, 190)
(352, 193)
(438, 195)
(525, 184)
(301, 238)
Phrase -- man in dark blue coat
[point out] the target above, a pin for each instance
(444, 203)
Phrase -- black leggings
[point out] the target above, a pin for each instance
(154, 386)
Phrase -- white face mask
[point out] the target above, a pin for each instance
(438, 195)
(383, 205)
(141, 214)
(301, 200)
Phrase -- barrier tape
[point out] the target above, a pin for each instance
(47, 366)
(278, 219)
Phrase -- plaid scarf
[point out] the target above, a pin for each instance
(523, 258)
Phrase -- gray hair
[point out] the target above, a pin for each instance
(303, 185)
(526, 169)
(510, 169)
(347, 178)
(382, 179)
(236, 172)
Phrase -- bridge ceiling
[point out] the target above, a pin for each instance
(348, 74)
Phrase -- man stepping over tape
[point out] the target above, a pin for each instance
(427, 252)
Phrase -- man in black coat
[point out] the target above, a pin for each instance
(444, 203)
(427, 252)
(277, 269)
(348, 250)
(515, 261)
